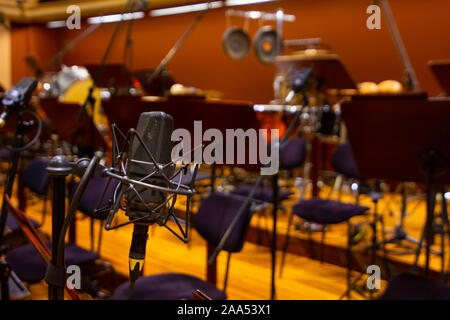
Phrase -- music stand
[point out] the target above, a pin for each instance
(63, 117)
(110, 76)
(441, 71)
(157, 86)
(328, 69)
(401, 138)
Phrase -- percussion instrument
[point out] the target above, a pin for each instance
(236, 43)
(267, 44)
(317, 119)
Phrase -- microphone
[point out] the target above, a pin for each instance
(299, 81)
(149, 162)
(17, 98)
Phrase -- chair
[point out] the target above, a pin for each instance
(211, 221)
(90, 207)
(325, 212)
(412, 287)
(26, 261)
(292, 156)
(35, 178)
(39, 245)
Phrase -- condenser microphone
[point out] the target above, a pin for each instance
(149, 155)
(17, 98)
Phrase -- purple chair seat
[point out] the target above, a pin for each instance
(293, 153)
(5, 155)
(12, 224)
(412, 287)
(262, 193)
(327, 211)
(35, 176)
(92, 194)
(169, 286)
(29, 266)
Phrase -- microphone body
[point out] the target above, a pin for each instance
(155, 129)
(17, 98)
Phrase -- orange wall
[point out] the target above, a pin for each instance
(36, 41)
(201, 62)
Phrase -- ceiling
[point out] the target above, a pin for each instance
(35, 11)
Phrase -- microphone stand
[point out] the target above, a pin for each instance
(169, 56)
(17, 149)
(397, 39)
(58, 169)
(90, 100)
(18, 141)
(57, 59)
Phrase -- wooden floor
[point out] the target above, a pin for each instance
(303, 278)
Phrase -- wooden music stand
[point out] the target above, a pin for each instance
(328, 69)
(63, 117)
(441, 71)
(402, 138)
(110, 76)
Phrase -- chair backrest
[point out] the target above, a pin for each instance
(35, 176)
(343, 161)
(89, 202)
(215, 215)
(33, 235)
(293, 153)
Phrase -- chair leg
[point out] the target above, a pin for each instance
(446, 227)
(349, 259)
(225, 282)
(311, 243)
(44, 210)
(286, 243)
(100, 235)
(445, 230)
(322, 244)
(92, 234)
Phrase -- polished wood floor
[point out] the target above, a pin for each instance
(303, 278)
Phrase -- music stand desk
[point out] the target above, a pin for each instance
(63, 118)
(402, 138)
(327, 68)
(111, 76)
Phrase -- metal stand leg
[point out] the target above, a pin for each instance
(58, 169)
(274, 236)
(286, 243)
(5, 272)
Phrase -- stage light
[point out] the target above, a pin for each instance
(354, 186)
(447, 195)
(185, 9)
(56, 24)
(116, 17)
(230, 3)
